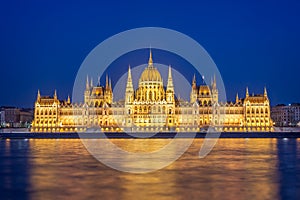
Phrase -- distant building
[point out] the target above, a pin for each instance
(12, 117)
(286, 115)
(152, 107)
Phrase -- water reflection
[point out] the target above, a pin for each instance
(289, 168)
(14, 175)
(235, 169)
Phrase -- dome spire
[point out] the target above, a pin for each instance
(150, 62)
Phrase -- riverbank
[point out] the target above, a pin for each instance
(74, 135)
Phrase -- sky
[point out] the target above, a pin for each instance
(253, 43)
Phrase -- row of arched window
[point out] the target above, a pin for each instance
(257, 111)
(45, 112)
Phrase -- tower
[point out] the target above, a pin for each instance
(108, 91)
(170, 99)
(129, 92)
(170, 87)
(55, 95)
(38, 96)
(87, 91)
(193, 95)
(214, 90)
(237, 98)
(265, 92)
(68, 100)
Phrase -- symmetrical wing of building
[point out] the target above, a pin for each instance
(152, 107)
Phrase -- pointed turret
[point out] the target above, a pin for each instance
(170, 85)
(214, 84)
(265, 92)
(247, 92)
(106, 82)
(237, 98)
(129, 79)
(194, 83)
(55, 94)
(98, 82)
(92, 82)
(68, 100)
(87, 86)
(193, 95)
(38, 95)
(110, 85)
(129, 88)
(215, 93)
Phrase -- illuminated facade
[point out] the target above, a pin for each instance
(152, 107)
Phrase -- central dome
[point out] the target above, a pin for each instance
(150, 73)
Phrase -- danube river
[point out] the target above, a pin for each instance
(234, 169)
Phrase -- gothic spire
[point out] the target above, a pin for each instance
(170, 85)
(110, 85)
(106, 82)
(194, 84)
(92, 82)
(265, 92)
(68, 100)
(87, 87)
(98, 82)
(129, 80)
(247, 92)
(38, 95)
(237, 98)
(55, 94)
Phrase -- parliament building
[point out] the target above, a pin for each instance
(152, 107)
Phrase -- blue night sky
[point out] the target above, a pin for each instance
(253, 43)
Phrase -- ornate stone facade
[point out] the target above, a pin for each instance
(152, 107)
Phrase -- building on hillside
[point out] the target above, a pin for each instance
(152, 107)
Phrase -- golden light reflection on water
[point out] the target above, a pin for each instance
(140, 145)
(235, 169)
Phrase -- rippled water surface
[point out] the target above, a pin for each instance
(235, 169)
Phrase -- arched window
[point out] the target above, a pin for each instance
(150, 95)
